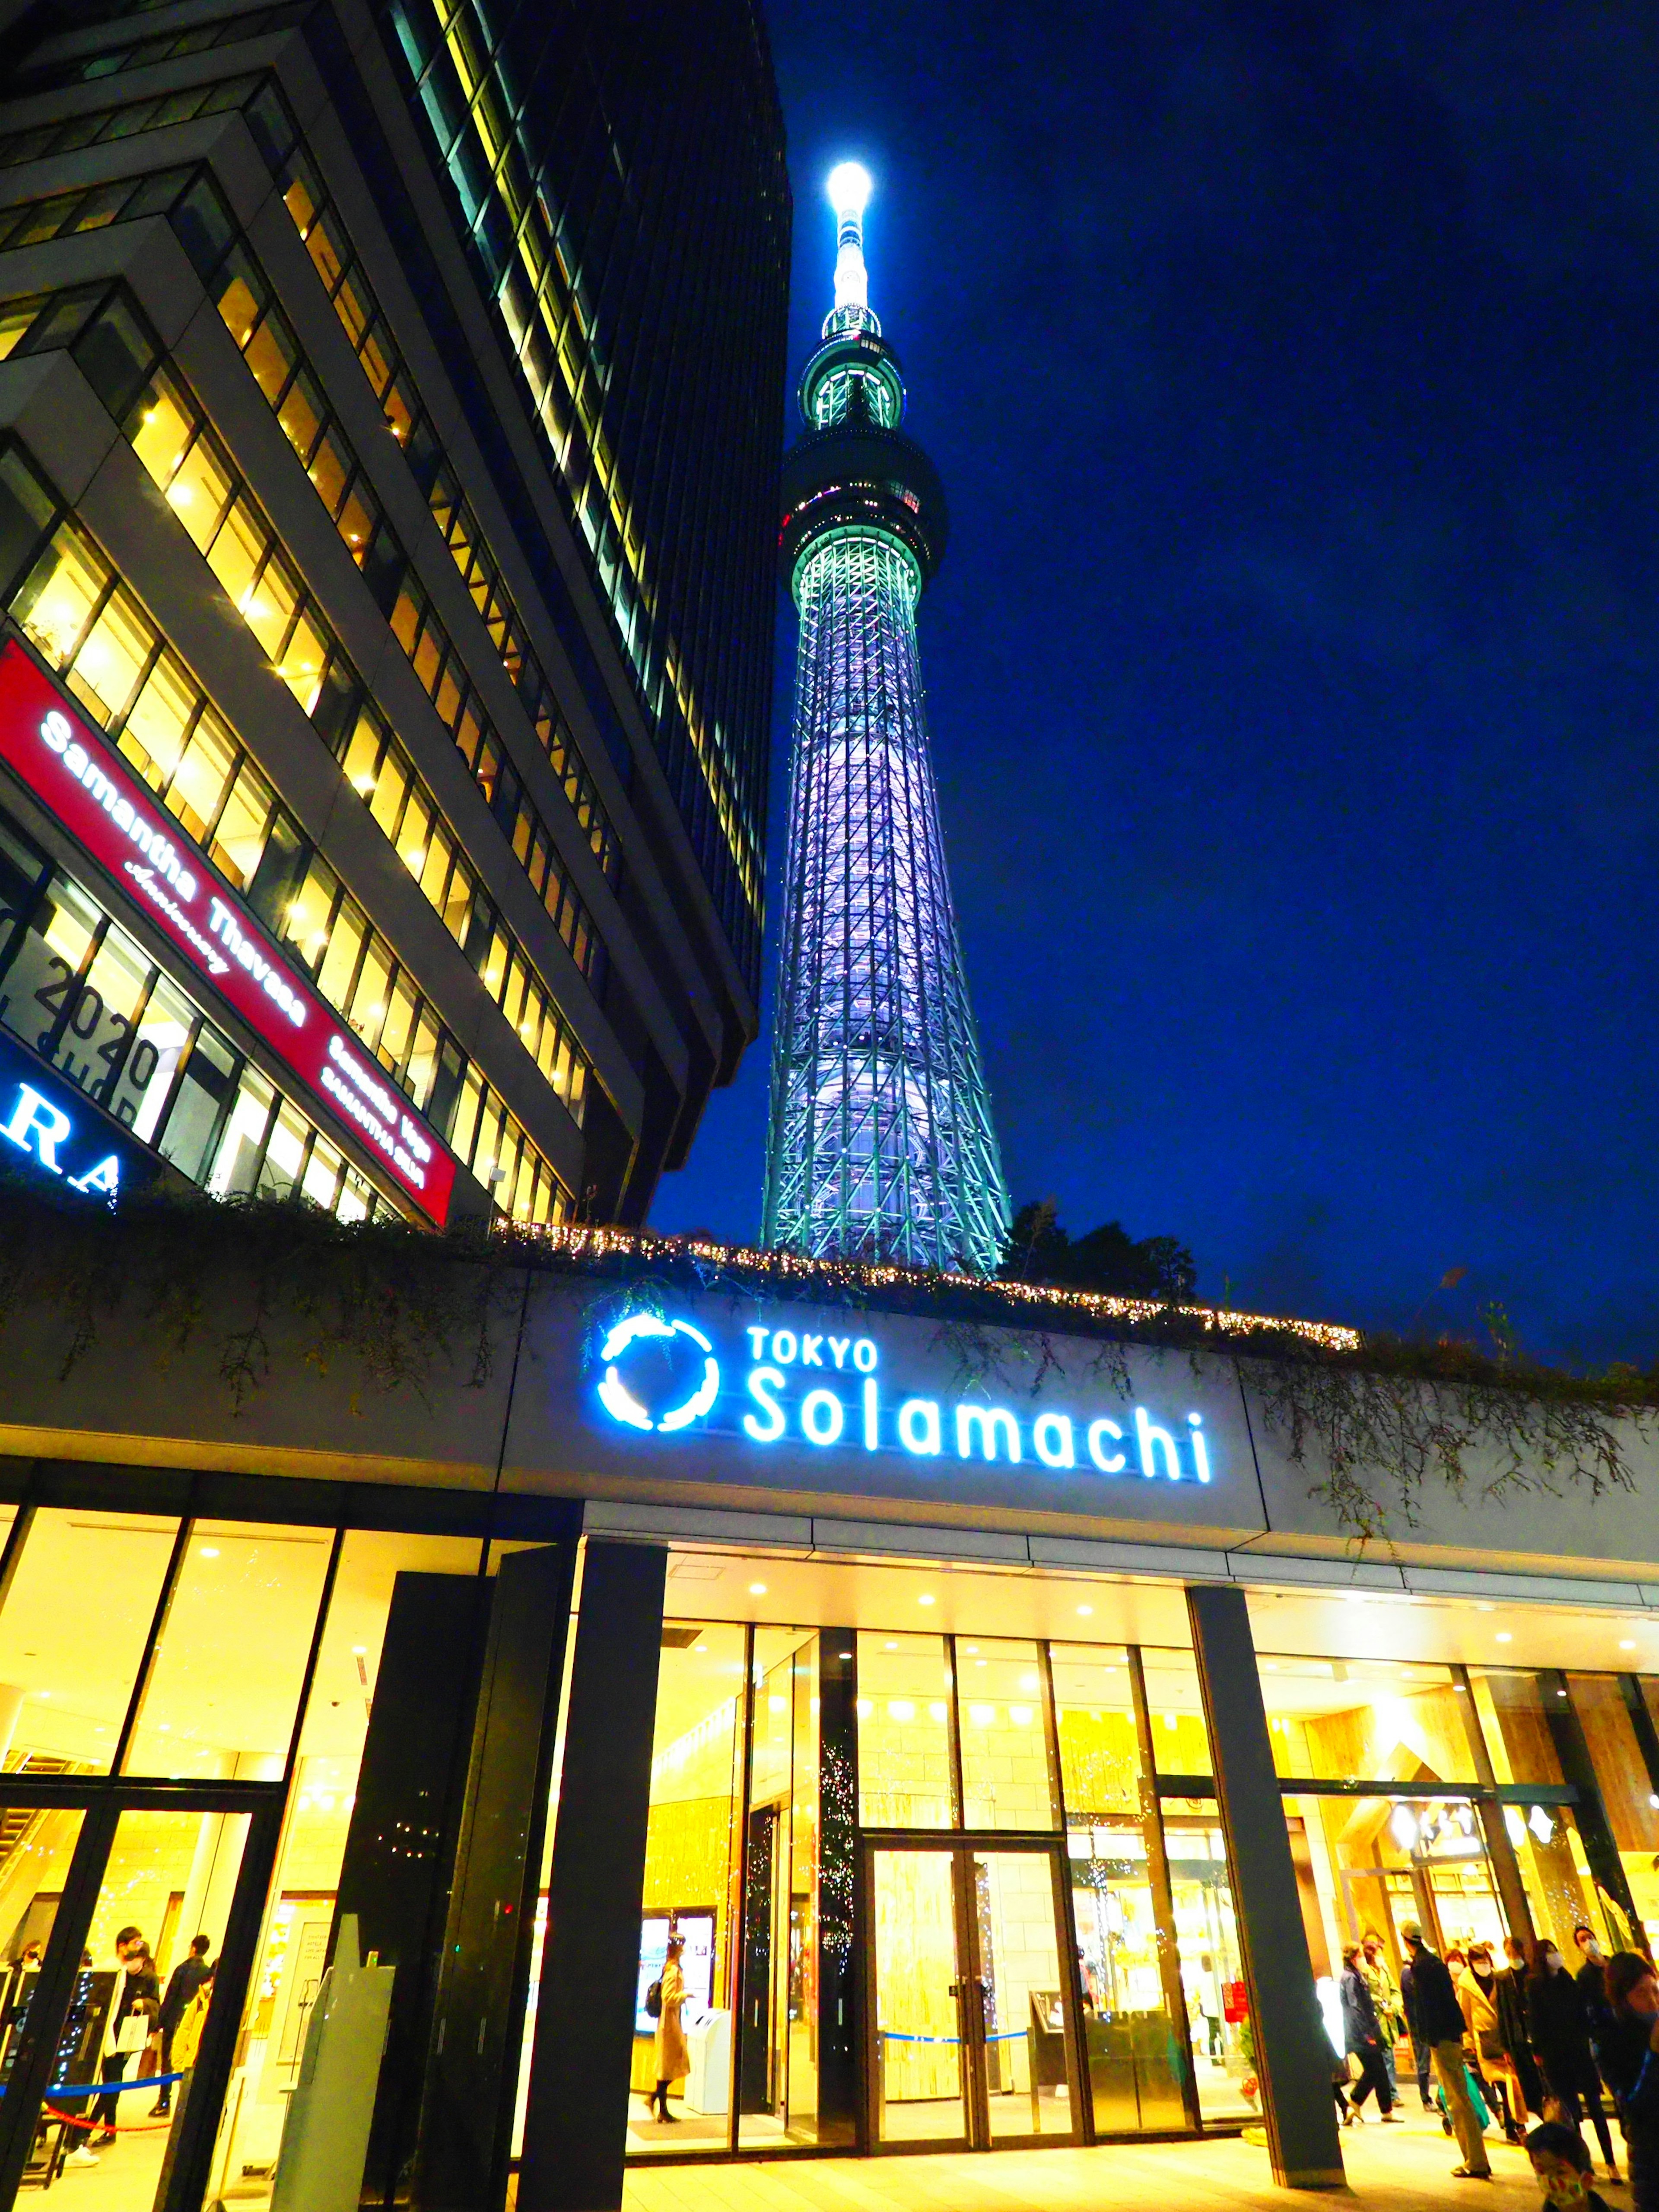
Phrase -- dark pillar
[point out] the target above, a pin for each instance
(400, 1847)
(840, 2106)
(576, 2120)
(1595, 1829)
(1511, 1890)
(472, 2061)
(1293, 2056)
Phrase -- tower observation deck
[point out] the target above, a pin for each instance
(880, 1144)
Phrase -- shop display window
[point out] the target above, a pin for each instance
(905, 1759)
(1515, 1713)
(73, 1631)
(1603, 1705)
(692, 1870)
(1349, 1720)
(223, 1692)
(1181, 1742)
(1007, 1781)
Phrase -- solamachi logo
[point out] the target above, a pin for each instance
(646, 1330)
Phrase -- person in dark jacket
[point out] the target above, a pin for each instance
(1421, 2050)
(186, 1978)
(1362, 2036)
(1441, 2018)
(1512, 2026)
(1633, 2001)
(1559, 2028)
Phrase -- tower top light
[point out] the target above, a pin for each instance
(849, 188)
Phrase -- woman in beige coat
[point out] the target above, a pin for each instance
(673, 2059)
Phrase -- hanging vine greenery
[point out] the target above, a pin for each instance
(1379, 1422)
(1383, 1423)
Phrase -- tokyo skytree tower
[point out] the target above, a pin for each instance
(880, 1145)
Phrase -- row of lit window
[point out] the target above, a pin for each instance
(275, 133)
(93, 631)
(186, 462)
(88, 997)
(551, 336)
(268, 343)
(330, 248)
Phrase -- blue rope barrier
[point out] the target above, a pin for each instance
(108, 2089)
(1008, 2035)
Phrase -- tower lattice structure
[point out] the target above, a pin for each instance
(881, 1145)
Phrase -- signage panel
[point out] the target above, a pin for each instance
(85, 784)
(62, 1134)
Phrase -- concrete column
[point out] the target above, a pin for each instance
(1293, 2055)
(575, 2131)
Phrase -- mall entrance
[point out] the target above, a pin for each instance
(86, 1856)
(971, 2005)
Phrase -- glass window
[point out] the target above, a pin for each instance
(305, 920)
(236, 551)
(222, 1698)
(200, 491)
(1512, 1717)
(111, 659)
(162, 432)
(692, 1866)
(56, 603)
(95, 1037)
(1349, 1720)
(203, 770)
(239, 838)
(285, 1149)
(40, 983)
(1181, 1743)
(236, 1163)
(345, 942)
(322, 1176)
(191, 1133)
(904, 1732)
(1005, 1782)
(1095, 1722)
(154, 736)
(73, 1631)
(158, 1045)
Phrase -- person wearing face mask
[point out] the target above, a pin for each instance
(1559, 2028)
(1512, 2027)
(1632, 2068)
(1477, 1992)
(1591, 1978)
(1631, 1998)
(1563, 2167)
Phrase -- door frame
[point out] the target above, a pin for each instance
(101, 1801)
(961, 1846)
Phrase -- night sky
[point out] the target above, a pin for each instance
(1294, 375)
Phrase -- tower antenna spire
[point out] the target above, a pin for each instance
(849, 189)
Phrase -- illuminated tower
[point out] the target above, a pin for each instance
(881, 1145)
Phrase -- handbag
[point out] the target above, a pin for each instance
(1477, 2100)
(654, 2001)
(132, 2034)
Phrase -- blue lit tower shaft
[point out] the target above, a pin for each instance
(881, 1144)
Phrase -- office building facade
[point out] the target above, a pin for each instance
(1012, 1744)
(387, 515)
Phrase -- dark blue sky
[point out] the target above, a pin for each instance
(1294, 375)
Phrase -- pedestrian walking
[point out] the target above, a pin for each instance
(1441, 2020)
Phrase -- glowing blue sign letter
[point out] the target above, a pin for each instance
(1152, 1443)
(33, 1117)
(1201, 1450)
(762, 1381)
(992, 1422)
(918, 1427)
(1108, 1462)
(1051, 1440)
(822, 1417)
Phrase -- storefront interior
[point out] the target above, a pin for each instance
(969, 1813)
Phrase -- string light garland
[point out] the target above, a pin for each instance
(847, 1278)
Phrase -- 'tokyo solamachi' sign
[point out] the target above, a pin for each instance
(764, 1387)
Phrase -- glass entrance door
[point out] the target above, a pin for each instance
(112, 1893)
(974, 2040)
